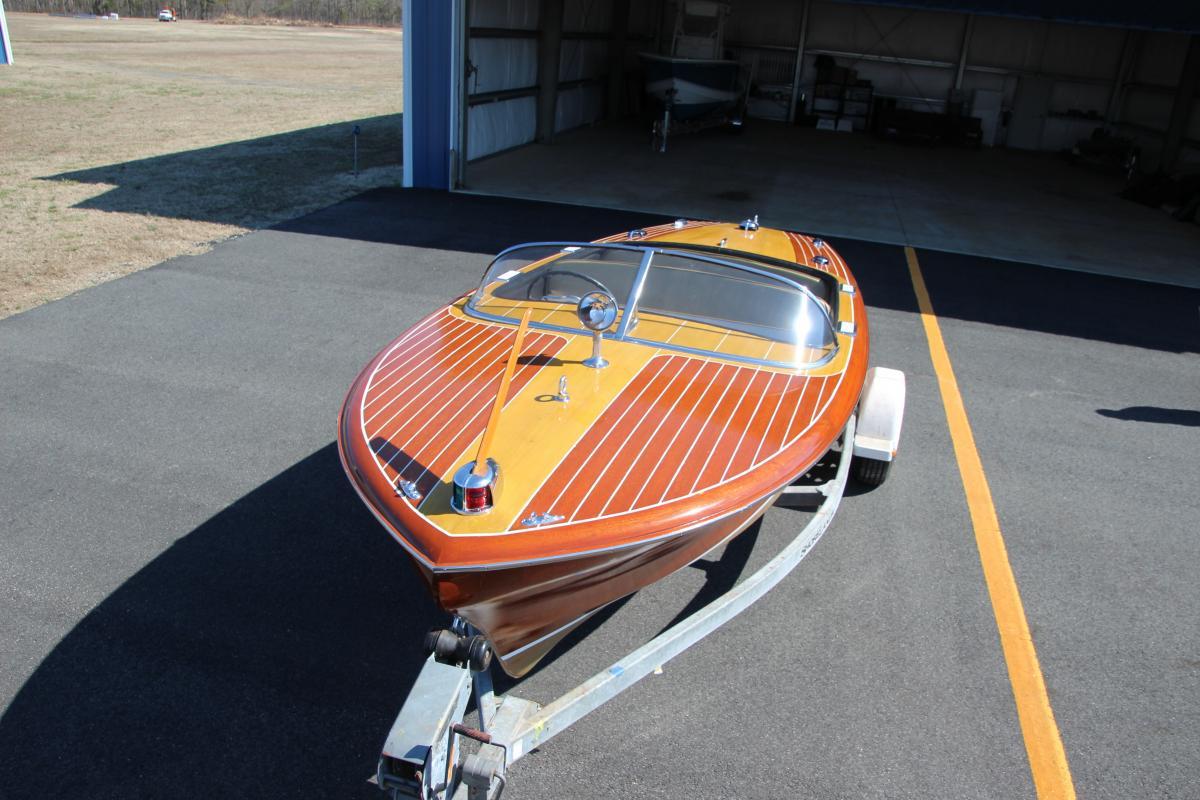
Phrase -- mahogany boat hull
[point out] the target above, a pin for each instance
(526, 610)
(654, 461)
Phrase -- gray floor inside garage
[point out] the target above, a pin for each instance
(193, 603)
(1028, 207)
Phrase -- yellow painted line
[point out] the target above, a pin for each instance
(1047, 758)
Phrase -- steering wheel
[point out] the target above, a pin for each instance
(545, 277)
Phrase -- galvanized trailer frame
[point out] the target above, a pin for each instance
(423, 757)
(665, 125)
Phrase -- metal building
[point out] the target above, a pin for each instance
(531, 97)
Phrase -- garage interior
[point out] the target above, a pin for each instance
(968, 127)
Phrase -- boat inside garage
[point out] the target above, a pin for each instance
(1057, 134)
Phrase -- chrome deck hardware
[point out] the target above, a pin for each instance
(562, 396)
(749, 224)
(637, 233)
(408, 489)
(541, 518)
(821, 261)
(818, 243)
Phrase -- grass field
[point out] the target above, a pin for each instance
(126, 143)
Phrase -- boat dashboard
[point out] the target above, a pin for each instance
(688, 298)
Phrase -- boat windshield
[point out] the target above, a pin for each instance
(551, 278)
(693, 302)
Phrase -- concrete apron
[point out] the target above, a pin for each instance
(1017, 206)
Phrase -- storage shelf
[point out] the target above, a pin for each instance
(841, 100)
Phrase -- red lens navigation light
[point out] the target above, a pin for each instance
(475, 494)
(477, 498)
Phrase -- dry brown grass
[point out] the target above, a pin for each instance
(236, 19)
(125, 143)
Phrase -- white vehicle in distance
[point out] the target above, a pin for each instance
(166, 15)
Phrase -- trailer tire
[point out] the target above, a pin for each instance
(869, 471)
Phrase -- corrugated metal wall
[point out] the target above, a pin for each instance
(502, 104)
(1147, 98)
(911, 54)
(503, 51)
(583, 62)
(914, 54)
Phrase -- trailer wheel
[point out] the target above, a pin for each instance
(880, 416)
(870, 471)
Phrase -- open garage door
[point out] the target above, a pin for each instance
(960, 127)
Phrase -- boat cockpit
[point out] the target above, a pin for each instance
(688, 298)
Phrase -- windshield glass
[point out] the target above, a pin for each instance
(717, 307)
(739, 310)
(551, 279)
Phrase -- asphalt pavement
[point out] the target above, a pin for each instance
(194, 603)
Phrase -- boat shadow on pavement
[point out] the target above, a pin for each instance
(264, 653)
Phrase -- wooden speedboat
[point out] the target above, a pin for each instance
(598, 415)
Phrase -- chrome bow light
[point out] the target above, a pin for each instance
(597, 312)
(475, 494)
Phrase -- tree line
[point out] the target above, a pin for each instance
(335, 12)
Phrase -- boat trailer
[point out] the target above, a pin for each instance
(666, 124)
(425, 753)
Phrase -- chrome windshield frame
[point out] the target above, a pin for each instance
(630, 307)
(635, 293)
